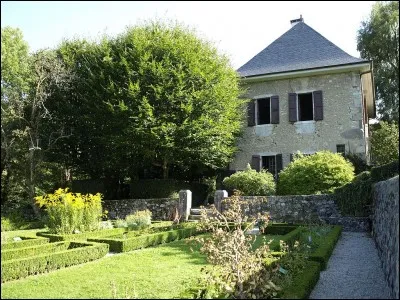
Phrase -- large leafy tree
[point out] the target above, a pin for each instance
(155, 95)
(385, 143)
(378, 40)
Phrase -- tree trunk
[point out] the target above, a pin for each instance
(165, 169)
(31, 188)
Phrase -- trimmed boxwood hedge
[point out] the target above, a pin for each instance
(385, 171)
(33, 250)
(288, 238)
(82, 252)
(26, 242)
(279, 230)
(304, 282)
(81, 236)
(324, 251)
(123, 245)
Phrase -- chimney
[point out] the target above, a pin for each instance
(295, 21)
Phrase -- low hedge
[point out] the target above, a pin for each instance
(304, 282)
(25, 242)
(129, 244)
(81, 236)
(324, 251)
(288, 238)
(279, 230)
(34, 250)
(20, 268)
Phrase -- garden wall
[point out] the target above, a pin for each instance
(161, 208)
(301, 209)
(385, 229)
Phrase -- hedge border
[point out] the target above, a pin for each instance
(304, 282)
(288, 238)
(26, 242)
(279, 230)
(20, 268)
(19, 253)
(124, 245)
(324, 251)
(81, 236)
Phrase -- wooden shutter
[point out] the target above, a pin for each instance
(292, 107)
(251, 113)
(255, 162)
(318, 109)
(291, 157)
(275, 110)
(278, 163)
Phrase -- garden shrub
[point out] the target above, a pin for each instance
(237, 271)
(252, 183)
(69, 212)
(25, 242)
(34, 250)
(321, 172)
(119, 223)
(139, 220)
(386, 171)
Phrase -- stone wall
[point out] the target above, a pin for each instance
(342, 119)
(300, 209)
(385, 229)
(161, 208)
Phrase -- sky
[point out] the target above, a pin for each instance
(239, 29)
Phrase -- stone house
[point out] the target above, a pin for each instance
(306, 95)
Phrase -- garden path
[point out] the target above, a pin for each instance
(353, 272)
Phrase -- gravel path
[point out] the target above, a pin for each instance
(354, 271)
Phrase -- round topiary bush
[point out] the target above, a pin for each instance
(251, 183)
(321, 172)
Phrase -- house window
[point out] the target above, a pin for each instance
(305, 107)
(273, 163)
(269, 163)
(340, 148)
(264, 111)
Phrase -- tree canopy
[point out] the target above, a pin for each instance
(378, 40)
(156, 95)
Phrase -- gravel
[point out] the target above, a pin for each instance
(353, 272)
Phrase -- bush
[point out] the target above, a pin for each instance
(321, 172)
(252, 183)
(25, 242)
(385, 171)
(384, 143)
(80, 236)
(68, 212)
(119, 223)
(139, 220)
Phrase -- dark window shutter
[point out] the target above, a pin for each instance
(291, 157)
(251, 113)
(318, 109)
(278, 163)
(292, 107)
(255, 162)
(275, 110)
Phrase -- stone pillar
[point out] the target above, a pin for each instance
(218, 197)
(185, 204)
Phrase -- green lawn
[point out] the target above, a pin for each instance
(165, 271)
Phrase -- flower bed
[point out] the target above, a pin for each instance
(129, 241)
(75, 253)
(81, 236)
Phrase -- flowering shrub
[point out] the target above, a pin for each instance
(71, 212)
(139, 220)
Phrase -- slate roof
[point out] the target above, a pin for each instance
(300, 48)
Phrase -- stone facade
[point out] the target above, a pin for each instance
(385, 229)
(301, 209)
(161, 208)
(343, 119)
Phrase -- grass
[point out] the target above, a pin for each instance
(165, 271)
